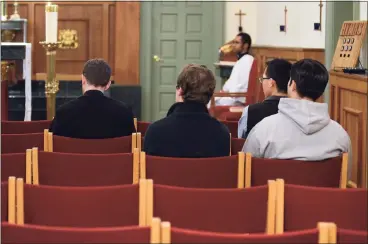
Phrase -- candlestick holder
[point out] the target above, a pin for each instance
(51, 83)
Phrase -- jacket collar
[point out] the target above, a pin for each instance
(93, 93)
(188, 107)
(274, 98)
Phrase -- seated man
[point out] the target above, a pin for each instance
(302, 129)
(189, 131)
(239, 78)
(274, 84)
(93, 115)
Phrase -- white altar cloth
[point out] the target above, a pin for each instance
(27, 76)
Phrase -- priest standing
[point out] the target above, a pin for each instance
(238, 81)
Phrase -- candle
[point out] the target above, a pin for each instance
(51, 12)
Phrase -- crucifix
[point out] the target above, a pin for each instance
(240, 14)
(320, 14)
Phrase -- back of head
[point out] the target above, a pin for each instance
(97, 72)
(279, 71)
(197, 83)
(311, 78)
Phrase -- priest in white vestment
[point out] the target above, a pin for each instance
(238, 81)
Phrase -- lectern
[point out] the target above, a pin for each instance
(348, 94)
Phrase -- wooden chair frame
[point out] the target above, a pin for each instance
(241, 165)
(48, 141)
(271, 205)
(325, 234)
(343, 177)
(16, 201)
(32, 168)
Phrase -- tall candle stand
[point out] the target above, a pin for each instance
(51, 84)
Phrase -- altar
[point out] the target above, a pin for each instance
(21, 51)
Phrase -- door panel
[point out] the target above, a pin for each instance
(182, 33)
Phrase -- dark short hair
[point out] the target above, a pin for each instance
(197, 82)
(245, 38)
(97, 72)
(279, 70)
(311, 78)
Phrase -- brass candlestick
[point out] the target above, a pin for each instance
(51, 83)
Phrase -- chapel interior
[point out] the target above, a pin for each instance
(146, 44)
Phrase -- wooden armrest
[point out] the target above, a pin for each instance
(230, 94)
(237, 109)
(352, 184)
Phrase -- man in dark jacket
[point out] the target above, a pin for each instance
(274, 84)
(189, 131)
(93, 115)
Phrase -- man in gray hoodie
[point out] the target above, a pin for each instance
(302, 129)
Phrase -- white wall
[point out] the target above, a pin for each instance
(263, 24)
(249, 22)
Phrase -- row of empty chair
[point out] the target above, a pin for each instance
(163, 232)
(270, 209)
(46, 141)
(237, 171)
(26, 127)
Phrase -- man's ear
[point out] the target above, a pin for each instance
(272, 83)
(292, 85)
(108, 85)
(84, 80)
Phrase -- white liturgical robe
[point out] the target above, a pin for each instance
(238, 81)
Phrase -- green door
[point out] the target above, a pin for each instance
(181, 33)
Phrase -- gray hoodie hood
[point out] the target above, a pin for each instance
(310, 117)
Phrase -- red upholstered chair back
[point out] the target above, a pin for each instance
(191, 236)
(13, 164)
(24, 127)
(47, 234)
(252, 84)
(221, 172)
(351, 236)
(65, 169)
(217, 210)
(81, 206)
(4, 100)
(324, 173)
(142, 127)
(305, 206)
(232, 126)
(231, 116)
(19, 143)
(4, 201)
(237, 146)
(92, 146)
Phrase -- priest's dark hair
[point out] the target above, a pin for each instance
(278, 69)
(97, 72)
(246, 38)
(311, 78)
(197, 83)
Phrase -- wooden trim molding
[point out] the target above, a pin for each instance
(348, 106)
(346, 111)
(127, 27)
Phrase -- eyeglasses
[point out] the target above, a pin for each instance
(263, 78)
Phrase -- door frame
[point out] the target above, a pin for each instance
(145, 63)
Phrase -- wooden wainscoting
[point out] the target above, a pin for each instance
(108, 30)
(348, 106)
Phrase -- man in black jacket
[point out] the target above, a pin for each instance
(189, 131)
(274, 84)
(93, 115)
